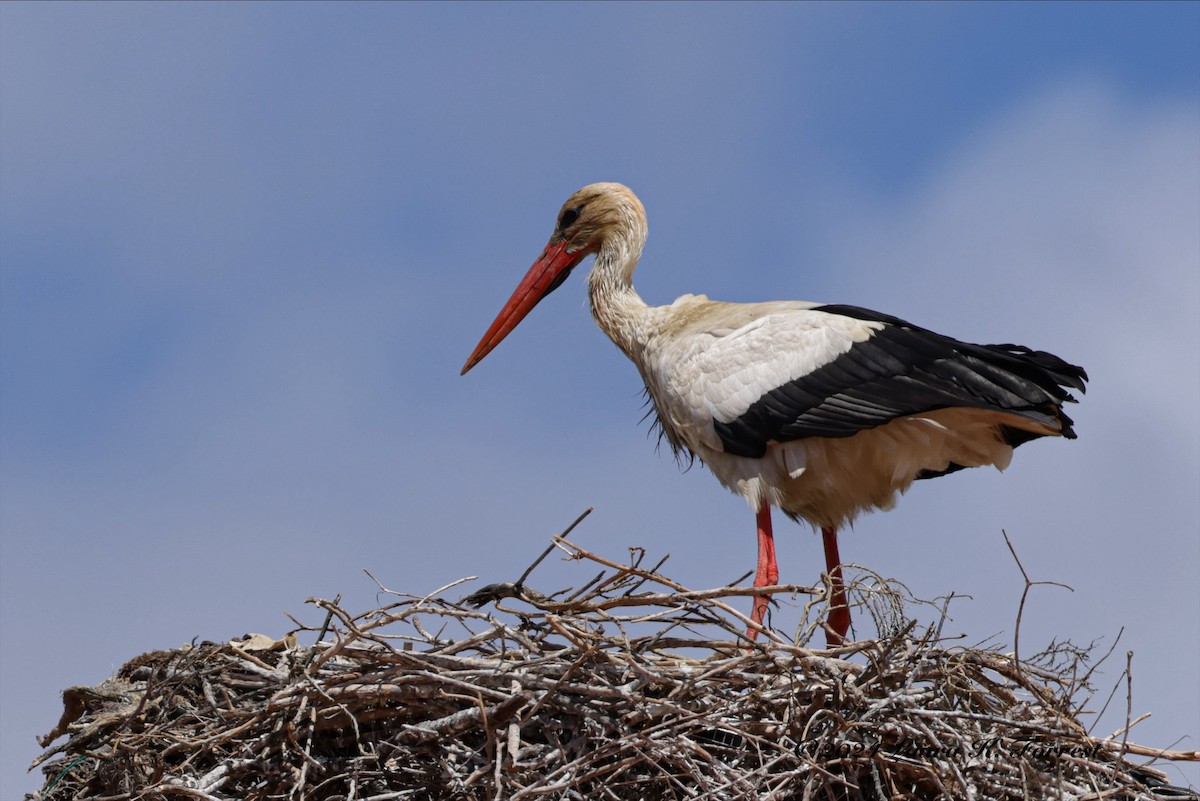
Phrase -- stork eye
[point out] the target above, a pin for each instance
(569, 217)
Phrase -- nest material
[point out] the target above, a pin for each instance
(629, 688)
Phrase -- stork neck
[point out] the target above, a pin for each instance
(616, 306)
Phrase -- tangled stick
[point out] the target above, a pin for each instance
(629, 686)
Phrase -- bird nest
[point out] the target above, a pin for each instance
(630, 687)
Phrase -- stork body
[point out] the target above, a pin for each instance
(823, 411)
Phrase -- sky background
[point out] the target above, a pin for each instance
(245, 250)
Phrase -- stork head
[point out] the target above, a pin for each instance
(600, 218)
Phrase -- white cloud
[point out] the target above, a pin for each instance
(1069, 224)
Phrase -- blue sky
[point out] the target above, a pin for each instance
(245, 249)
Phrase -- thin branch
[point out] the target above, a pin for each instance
(634, 685)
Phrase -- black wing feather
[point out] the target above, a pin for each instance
(901, 370)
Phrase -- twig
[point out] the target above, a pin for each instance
(633, 686)
(1029, 584)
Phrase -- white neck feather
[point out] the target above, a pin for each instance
(616, 306)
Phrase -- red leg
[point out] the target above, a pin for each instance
(839, 610)
(768, 572)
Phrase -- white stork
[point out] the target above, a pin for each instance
(824, 411)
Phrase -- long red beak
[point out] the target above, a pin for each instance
(550, 270)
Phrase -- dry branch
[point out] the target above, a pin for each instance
(629, 687)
